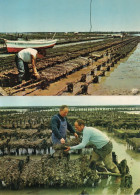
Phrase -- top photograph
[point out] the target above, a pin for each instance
(69, 48)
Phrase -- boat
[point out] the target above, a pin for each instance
(18, 45)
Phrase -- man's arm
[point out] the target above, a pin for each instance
(85, 140)
(55, 124)
(33, 60)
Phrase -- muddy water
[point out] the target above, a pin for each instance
(110, 186)
(6, 55)
(76, 43)
(122, 79)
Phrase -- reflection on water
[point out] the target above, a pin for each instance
(132, 157)
(133, 112)
(110, 186)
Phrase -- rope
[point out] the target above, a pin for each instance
(90, 15)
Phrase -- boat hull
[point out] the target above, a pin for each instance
(16, 46)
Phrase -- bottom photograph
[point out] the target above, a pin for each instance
(70, 145)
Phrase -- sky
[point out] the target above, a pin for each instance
(68, 100)
(69, 15)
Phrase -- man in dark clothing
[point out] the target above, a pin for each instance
(60, 125)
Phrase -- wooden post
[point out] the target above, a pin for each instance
(96, 79)
(84, 89)
(99, 67)
(83, 78)
(70, 87)
(108, 68)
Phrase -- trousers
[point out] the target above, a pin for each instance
(22, 68)
(105, 155)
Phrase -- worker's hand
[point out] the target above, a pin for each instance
(67, 148)
(36, 75)
(62, 141)
(75, 134)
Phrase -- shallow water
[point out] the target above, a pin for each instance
(6, 55)
(76, 43)
(123, 78)
(108, 186)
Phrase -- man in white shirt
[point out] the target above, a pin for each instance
(102, 146)
(25, 57)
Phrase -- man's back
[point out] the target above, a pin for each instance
(95, 136)
(92, 136)
(25, 54)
